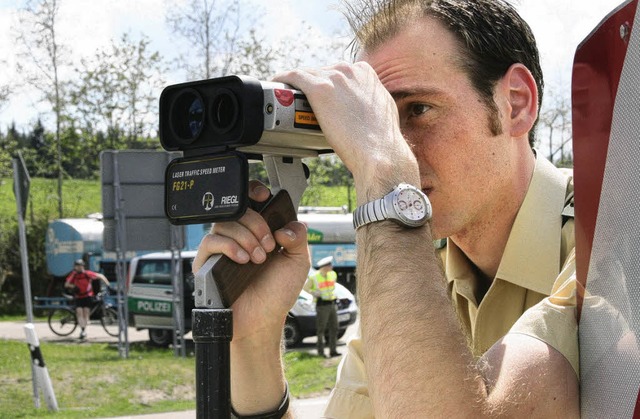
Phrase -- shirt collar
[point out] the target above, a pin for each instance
(535, 238)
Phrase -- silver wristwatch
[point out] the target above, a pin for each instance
(406, 205)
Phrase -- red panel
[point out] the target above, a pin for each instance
(596, 74)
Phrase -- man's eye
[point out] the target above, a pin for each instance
(418, 109)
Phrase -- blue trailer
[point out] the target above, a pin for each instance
(333, 235)
(69, 239)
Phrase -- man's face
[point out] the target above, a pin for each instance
(462, 164)
(78, 268)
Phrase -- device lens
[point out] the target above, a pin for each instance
(196, 112)
(224, 111)
(187, 116)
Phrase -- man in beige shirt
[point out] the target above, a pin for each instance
(444, 96)
(540, 239)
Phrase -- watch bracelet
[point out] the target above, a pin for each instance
(276, 414)
(370, 212)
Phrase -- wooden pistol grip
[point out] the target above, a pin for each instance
(233, 278)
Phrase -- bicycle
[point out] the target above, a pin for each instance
(62, 318)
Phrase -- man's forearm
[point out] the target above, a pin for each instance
(416, 355)
(257, 376)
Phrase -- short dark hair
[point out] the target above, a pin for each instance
(491, 33)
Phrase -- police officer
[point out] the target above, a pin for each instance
(322, 285)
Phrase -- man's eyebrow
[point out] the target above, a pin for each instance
(405, 93)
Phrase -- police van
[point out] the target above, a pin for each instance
(150, 294)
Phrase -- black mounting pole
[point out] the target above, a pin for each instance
(212, 333)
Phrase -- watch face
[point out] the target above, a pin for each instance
(411, 205)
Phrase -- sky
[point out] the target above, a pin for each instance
(87, 25)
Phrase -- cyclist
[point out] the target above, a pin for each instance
(79, 281)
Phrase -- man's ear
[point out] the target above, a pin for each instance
(522, 95)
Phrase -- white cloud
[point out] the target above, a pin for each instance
(7, 17)
(559, 27)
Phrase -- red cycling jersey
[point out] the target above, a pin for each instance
(82, 282)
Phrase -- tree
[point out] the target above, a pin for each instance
(555, 124)
(329, 170)
(255, 57)
(141, 72)
(116, 91)
(4, 96)
(94, 96)
(38, 36)
(5, 90)
(39, 152)
(9, 143)
(211, 29)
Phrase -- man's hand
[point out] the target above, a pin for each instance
(72, 289)
(359, 119)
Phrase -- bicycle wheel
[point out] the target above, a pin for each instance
(62, 321)
(109, 320)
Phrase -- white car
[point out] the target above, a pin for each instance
(301, 321)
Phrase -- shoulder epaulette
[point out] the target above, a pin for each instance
(440, 243)
(569, 210)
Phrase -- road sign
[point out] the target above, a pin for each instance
(133, 182)
(21, 184)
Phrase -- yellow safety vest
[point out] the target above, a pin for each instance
(326, 285)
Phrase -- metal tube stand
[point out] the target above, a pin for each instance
(212, 333)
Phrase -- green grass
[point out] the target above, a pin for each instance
(83, 197)
(37, 316)
(91, 380)
(324, 196)
(79, 198)
(309, 375)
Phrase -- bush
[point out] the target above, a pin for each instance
(80, 197)
(11, 282)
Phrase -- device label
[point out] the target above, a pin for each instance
(304, 116)
(202, 188)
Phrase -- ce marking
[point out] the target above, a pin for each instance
(174, 207)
